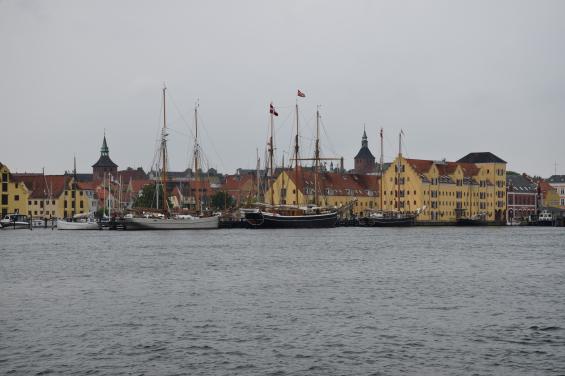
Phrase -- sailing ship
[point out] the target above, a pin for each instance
(291, 216)
(166, 220)
(391, 218)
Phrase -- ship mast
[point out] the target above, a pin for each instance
(74, 185)
(258, 177)
(271, 152)
(198, 204)
(381, 163)
(398, 166)
(296, 156)
(317, 156)
(164, 155)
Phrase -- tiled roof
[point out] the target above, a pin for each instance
(104, 161)
(365, 153)
(556, 179)
(43, 186)
(481, 157)
(339, 184)
(518, 183)
(421, 166)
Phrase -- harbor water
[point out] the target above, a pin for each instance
(343, 301)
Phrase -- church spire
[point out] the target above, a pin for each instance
(104, 151)
(364, 142)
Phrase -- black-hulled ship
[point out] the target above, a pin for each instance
(291, 216)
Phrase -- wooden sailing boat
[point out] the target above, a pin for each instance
(290, 216)
(395, 218)
(167, 220)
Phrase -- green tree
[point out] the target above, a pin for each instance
(222, 200)
(148, 198)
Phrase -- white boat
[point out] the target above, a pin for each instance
(15, 221)
(80, 225)
(174, 223)
(167, 220)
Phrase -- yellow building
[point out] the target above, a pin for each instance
(14, 195)
(334, 189)
(53, 196)
(445, 191)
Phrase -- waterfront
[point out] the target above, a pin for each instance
(339, 301)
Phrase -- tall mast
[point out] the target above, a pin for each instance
(164, 155)
(317, 156)
(257, 176)
(398, 166)
(271, 171)
(382, 164)
(296, 156)
(198, 204)
(282, 182)
(74, 185)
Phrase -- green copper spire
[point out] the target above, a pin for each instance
(104, 151)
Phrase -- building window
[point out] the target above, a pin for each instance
(81, 204)
(4, 199)
(16, 197)
(4, 177)
(5, 186)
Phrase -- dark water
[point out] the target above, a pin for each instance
(346, 301)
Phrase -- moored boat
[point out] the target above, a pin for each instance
(181, 222)
(15, 221)
(166, 220)
(286, 217)
(79, 222)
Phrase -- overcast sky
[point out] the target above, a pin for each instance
(457, 76)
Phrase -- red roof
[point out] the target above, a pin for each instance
(43, 186)
(421, 166)
(357, 184)
(236, 182)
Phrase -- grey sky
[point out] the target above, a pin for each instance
(457, 76)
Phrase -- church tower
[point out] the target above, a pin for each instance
(364, 160)
(104, 164)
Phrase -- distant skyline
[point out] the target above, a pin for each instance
(456, 76)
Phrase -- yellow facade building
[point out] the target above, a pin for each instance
(14, 195)
(359, 192)
(441, 191)
(53, 196)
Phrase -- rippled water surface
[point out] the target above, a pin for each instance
(345, 301)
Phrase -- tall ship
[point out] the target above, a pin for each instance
(165, 219)
(292, 216)
(395, 218)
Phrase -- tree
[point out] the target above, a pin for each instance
(222, 200)
(148, 198)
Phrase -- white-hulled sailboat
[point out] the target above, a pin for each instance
(166, 220)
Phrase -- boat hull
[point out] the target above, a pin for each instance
(195, 223)
(470, 222)
(64, 225)
(259, 219)
(389, 222)
(18, 225)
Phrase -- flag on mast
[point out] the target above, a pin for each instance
(273, 111)
(301, 94)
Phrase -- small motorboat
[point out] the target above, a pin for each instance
(15, 221)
